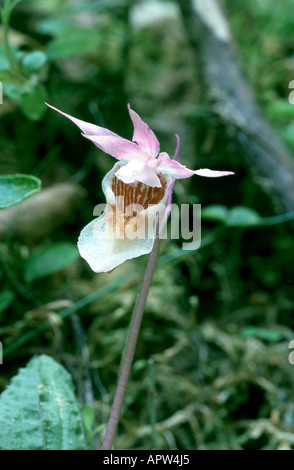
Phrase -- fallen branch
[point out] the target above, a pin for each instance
(231, 99)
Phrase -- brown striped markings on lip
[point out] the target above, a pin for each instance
(132, 195)
(139, 193)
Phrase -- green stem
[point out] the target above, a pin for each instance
(130, 349)
(5, 15)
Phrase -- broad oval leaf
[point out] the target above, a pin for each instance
(52, 26)
(12, 90)
(16, 188)
(215, 213)
(74, 41)
(39, 411)
(7, 297)
(32, 104)
(241, 216)
(49, 260)
(33, 61)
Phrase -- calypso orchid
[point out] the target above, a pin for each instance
(136, 189)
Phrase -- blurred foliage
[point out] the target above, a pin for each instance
(211, 368)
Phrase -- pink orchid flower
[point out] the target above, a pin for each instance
(126, 228)
(137, 188)
(141, 158)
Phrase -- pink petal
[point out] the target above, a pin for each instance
(176, 170)
(173, 168)
(212, 173)
(138, 170)
(143, 135)
(116, 146)
(152, 162)
(108, 141)
(86, 127)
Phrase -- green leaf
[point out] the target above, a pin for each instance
(74, 42)
(13, 91)
(39, 411)
(33, 61)
(4, 62)
(99, 6)
(215, 213)
(32, 104)
(286, 134)
(88, 417)
(240, 216)
(52, 26)
(49, 260)
(16, 188)
(6, 299)
(280, 110)
(6, 75)
(262, 333)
